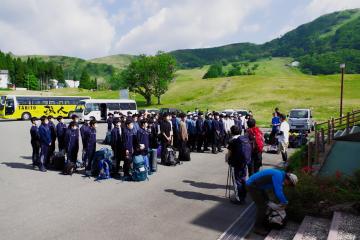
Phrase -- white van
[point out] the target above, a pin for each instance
(301, 119)
(100, 108)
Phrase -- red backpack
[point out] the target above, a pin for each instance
(256, 136)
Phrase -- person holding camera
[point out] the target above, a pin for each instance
(238, 157)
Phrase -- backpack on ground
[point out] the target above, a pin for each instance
(58, 160)
(103, 153)
(69, 168)
(105, 166)
(170, 158)
(275, 216)
(184, 154)
(153, 160)
(107, 140)
(139, 171)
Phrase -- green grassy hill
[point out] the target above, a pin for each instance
(119, 61)
(274, 85)
(73, 66)
(326, 38)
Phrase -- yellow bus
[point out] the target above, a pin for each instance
(25, 107)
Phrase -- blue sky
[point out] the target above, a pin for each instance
(95, 28)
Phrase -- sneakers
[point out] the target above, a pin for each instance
(43, 169)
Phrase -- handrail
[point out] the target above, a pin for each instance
(325, 131)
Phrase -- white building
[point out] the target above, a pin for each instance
(295, 64)
(72, 83)
(4, 78)
(53, 83)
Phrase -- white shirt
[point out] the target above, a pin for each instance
(285, 128)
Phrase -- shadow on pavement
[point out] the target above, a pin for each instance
(26, 157)
(195, 195)
(205, 185)
(18, 165)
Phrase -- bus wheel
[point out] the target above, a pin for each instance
(25, 116)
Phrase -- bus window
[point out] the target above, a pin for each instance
(52, 102)
(92, 107)
(128, 106)
(113, 106)
(40, 101)
(23, 100)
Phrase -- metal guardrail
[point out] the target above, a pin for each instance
(325, 132)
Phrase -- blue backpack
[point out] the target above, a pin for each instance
(139, 171)
(103, 153)
(105, 169)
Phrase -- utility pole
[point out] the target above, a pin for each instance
(342, 66)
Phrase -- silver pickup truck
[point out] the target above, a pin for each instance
(300, 120)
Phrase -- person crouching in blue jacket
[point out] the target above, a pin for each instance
(259, 183)
(45, 142)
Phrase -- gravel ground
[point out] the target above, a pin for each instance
(349, 228)
(313, 229)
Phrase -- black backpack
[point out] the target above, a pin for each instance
(184, 154)
(241, 154)
(58, 161)
(170, 157)
(69, 168)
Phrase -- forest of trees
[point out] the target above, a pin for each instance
(29, 73)
(235, 69)
(320, 46)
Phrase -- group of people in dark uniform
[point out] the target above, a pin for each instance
(44, 137)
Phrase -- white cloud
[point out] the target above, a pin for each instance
(319, 7)
(66, 27)
(190, 24)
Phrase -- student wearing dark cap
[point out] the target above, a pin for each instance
(35, 142)
(90, 138)
(116, 143)
(165, 135)
(60, 133)
(53, 137)
(200, 133)
(75, 120)
(216, 131)
(143, 142)
(45, 142)
(72, 142)
(109, 121)
(208, 133)
(84, 129)
(128, 146)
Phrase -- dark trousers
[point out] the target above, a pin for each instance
(61, 145)
(216, 144)
(192, 142)
(260, 199)
(72, 154)
(207, 141)
(239, 180)
(117, 158)
(256, 158)
(199, 142)
(127, 165)
(90, 152)
(43, 155)
(51, 149)
(35, 153)
(182, 148)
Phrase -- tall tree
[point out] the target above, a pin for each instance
(149, 75)
(85, 81)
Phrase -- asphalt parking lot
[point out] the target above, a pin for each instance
(182, 202)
